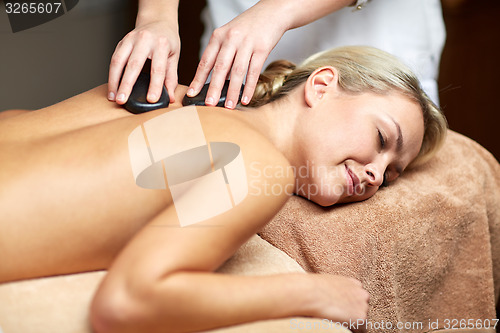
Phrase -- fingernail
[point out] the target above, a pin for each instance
(111, 96)
(152, 97)
(229, 104)
(245, 100)
(121, 97)
(209, 101)
(190, 92)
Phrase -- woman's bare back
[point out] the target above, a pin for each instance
(68, 198)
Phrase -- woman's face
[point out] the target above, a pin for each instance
(350, 145)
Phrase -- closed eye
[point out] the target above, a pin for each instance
(381, 139)
(382, 146)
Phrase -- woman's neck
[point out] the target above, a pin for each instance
(276, 121)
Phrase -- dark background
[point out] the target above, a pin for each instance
(69, 55)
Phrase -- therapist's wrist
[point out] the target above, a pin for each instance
(296, 14)
(287, 13)
(158, 11)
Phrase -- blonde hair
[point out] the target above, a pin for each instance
(360, 69)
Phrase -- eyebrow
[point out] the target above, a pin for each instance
(399, 140)
(399, 144)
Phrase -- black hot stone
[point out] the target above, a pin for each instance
(200, 98)
(137, 102)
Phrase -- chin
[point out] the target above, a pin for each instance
(325, 201)
(357, 198)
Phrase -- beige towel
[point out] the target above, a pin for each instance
(60, 304)
(427, 248)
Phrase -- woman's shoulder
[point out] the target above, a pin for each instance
(220, 124)
(200, 126)
(266, 168)
(221, 154)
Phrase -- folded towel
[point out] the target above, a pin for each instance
(61, 303)
(427, 248)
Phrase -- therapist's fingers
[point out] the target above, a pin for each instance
(204, 68)
(172, 79)
(117, 64)
(238, 71)
(158, 70)
(164, 68)
(134, 66)
(222, 66)
(158, 41)
(253, 74)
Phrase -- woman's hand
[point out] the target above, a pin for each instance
(340, 299)
(158, 41)
(237, 49)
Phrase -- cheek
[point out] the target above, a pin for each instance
(353, 140)
(324, 187)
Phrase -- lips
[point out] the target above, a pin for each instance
(352, 181)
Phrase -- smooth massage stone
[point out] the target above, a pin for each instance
(200, 98)
(137, 102)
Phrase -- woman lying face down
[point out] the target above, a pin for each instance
(344, 122)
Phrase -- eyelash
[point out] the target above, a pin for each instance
(381, 138)
(382, 145)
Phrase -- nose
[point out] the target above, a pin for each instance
(375, 174)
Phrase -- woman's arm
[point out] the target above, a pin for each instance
(164, 279)
(11, 113)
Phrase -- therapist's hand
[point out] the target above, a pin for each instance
(158, 41)
(240, 47)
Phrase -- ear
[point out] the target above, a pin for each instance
(318, 83)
